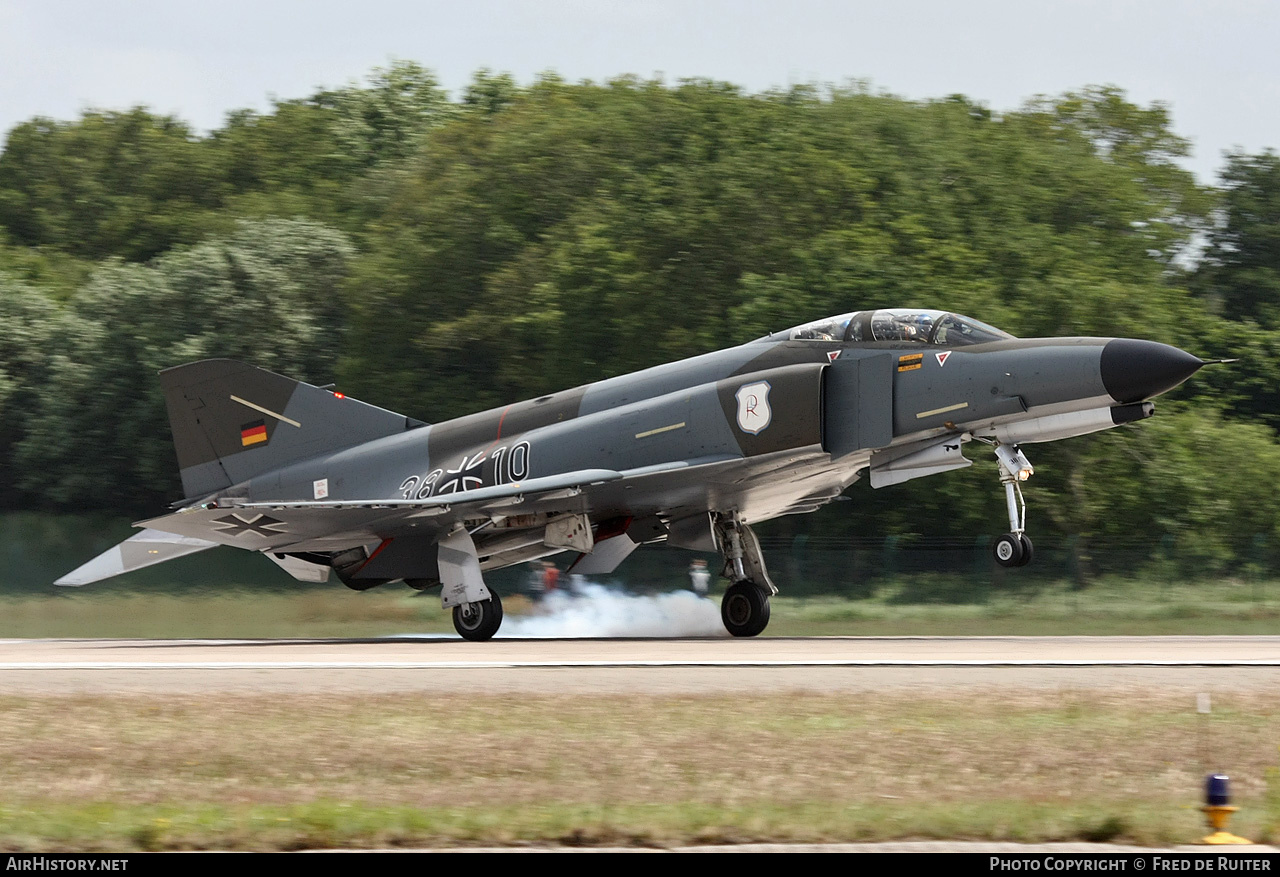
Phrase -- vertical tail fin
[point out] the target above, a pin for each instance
(232, 421)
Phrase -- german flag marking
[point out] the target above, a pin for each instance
(253, 433)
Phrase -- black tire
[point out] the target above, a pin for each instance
(764, 615)
(478, 621)
(1007, 550)
(1028, 550)
(745, 609)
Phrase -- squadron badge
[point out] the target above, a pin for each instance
(754, 413)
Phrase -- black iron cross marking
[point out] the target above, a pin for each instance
(260, 525)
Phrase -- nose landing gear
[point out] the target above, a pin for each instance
(1014, 548)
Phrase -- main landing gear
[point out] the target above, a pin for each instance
(745, 607)
(1014, 548)
(479, 620)
(477, 610)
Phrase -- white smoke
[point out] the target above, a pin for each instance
(590, 610)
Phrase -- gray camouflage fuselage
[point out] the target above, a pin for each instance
(777, 426)
(828, 420)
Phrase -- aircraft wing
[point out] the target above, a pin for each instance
(323, 525)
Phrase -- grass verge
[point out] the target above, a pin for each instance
(267, 773)
(344, 825)
(936, 606)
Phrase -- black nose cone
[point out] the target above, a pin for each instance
(1137, 370)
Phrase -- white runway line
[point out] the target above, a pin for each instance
(509, 665)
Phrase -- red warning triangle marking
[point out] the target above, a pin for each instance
(833, 355)
(942, 357)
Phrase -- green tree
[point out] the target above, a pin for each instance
(1242, 262)
(97, 438)
(570, 232)
(130, 184)
(524, 239)
(387, 118)
(29, 318)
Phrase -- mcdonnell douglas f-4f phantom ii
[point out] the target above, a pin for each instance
(692, 453)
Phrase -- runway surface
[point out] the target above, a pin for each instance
(620, 666)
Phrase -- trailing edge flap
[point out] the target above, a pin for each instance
(232, 421)
(138, 551)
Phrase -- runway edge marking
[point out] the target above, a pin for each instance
(493, 665)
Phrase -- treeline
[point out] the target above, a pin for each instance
(437, 256)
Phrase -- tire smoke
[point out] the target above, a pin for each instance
(591, 610)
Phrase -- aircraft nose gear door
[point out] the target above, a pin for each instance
(1014, 548)
(745, 607)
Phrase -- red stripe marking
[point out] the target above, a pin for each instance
(499, 436)
(612, 527)
(377, 551)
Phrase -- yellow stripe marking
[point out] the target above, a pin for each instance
(955, 407)
(266, 411)
(650, 432)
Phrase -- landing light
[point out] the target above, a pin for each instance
(1014, 462)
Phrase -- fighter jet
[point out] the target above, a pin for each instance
(691, 453)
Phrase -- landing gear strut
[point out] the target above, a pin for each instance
(745, 607)
(1014, 548)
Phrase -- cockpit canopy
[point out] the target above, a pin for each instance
(899, 324)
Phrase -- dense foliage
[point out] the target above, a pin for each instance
(439, 256)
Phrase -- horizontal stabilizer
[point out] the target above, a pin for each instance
(137, 552)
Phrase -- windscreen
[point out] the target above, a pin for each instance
(900, 325)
